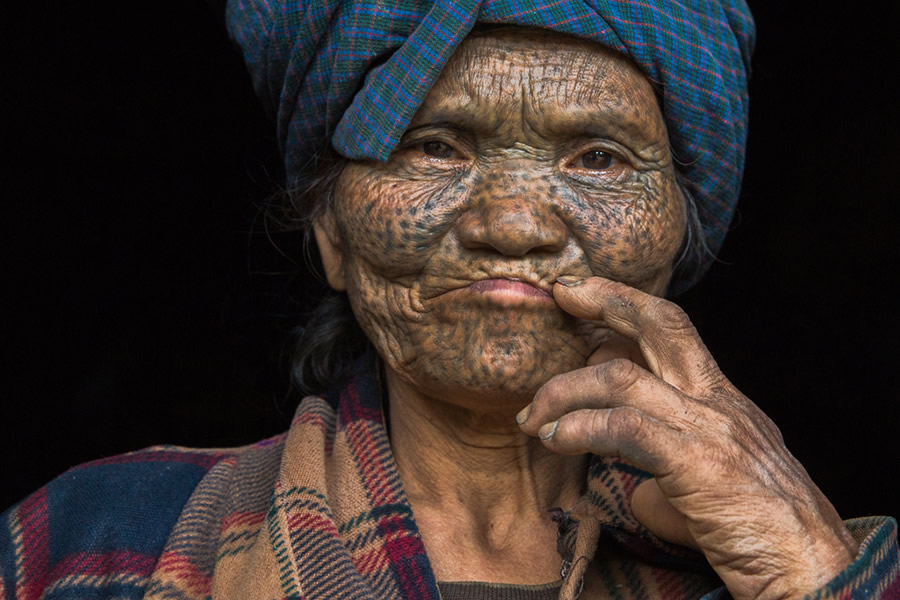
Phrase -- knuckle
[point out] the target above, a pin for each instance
(622, 296)
(617, 374)
(625, 423)
(711, 377)
(617, 288)
(670, 315)
(553, 389)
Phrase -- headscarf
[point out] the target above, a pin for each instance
(357, 70)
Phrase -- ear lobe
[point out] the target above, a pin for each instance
(330, 251)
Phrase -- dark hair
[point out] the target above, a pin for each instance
(331, 339)
(695, 254)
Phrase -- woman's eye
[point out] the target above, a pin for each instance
(596, 160)
(438, 149)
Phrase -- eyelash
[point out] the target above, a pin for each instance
(449, 147)
(612, 158)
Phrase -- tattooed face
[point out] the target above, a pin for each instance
(534, 156)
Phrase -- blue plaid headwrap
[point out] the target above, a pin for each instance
(357, 71)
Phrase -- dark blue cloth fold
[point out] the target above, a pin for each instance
(356, 71)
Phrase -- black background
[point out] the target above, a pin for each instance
(147, 303)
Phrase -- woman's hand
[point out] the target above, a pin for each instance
(724, 481)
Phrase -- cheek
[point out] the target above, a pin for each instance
(633, 233)
(395, 225)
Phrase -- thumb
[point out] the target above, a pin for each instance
(654, 511)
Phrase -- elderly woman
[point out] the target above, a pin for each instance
(501, 194)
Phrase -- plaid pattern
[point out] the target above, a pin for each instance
(320, 513)
(357, 70)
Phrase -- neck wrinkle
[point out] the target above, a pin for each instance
(477, 466)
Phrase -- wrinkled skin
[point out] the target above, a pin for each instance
(724, 481)
(511, 199)
(537, 156)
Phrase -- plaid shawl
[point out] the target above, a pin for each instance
(320, 513)
(356, 71)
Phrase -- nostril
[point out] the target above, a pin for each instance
(511, 229)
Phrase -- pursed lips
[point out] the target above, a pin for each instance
(507, 288)
(511, 286)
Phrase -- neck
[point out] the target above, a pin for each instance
(480, 489)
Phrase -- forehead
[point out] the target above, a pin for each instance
(549, 79)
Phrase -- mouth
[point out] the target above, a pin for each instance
(510, 290)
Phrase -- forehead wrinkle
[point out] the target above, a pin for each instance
(523, 86)
(460, 112)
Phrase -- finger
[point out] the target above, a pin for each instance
(667, 338)
(619, 382)
(654, 511)
(621, 431)
(617, 346)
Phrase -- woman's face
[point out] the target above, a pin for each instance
(534, 156)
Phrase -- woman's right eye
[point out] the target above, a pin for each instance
(438, 149)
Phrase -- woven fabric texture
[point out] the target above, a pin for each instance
(356, 71)
(320, 513)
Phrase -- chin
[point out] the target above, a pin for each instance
(500, 373)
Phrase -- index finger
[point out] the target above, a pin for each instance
(668, 340)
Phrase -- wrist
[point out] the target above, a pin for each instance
(824, 561)
(794, 568)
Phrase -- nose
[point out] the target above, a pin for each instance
(512, 213)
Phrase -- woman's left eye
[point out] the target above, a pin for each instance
(596, 160)
(438, 149)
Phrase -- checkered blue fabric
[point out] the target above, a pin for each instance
(357, 70)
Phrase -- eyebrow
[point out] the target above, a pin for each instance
(598, 121)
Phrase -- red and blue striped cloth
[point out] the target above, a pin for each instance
(356, 71)
(320, 513)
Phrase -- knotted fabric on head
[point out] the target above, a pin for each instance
(357, 70)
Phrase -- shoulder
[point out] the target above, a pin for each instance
(107, 519)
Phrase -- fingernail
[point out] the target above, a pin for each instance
(570, 281)
(546, 432)
(523, 415)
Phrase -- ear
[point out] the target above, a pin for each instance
(330, 250)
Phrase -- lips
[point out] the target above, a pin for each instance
(509, 287)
